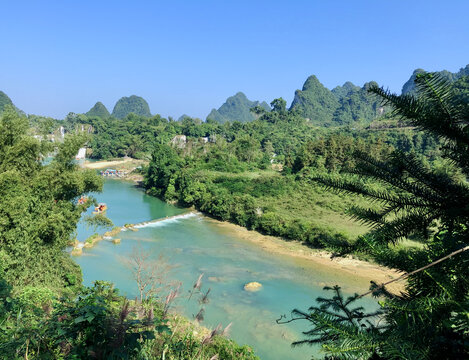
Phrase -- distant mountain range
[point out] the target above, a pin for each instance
(409, 86)
(124, 106)
(349, 104)
(344, 105)
(236, 108)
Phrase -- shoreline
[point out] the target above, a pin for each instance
(357, 268)
(110, 235)
(127, 165)
(275, 245)
(104, 163)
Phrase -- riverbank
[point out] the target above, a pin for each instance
(276, 245)
(125, 165)
(192, 245)
(349, 265)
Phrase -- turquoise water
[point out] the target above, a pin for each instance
(195, 244)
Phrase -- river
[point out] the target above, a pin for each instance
(194, 245)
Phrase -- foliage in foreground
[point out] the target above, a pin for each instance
(430, 320)
(100, 324)
(38, 211)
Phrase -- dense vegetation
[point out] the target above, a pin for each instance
(98, 110)
(404, 173)
(429, 320)
(236, 108)
(45, 312)
(37, 215)
(255, 176)
(132, 104)
(315, 101)
(410, 88)
(5, 101)
(344, 105)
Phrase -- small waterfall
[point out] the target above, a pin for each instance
(165, 221)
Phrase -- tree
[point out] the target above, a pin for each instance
(38, 211)
(428, 320)
(150, 274)
(163, 166)
(279, 105)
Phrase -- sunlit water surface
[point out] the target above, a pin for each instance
(195, 245)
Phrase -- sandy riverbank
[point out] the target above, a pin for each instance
(349, 265)
(106, 164)
(127, 165)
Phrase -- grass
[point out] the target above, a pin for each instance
(293, 199)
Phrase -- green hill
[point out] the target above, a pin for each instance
(357, 105)
(132, 104)
(236, 108)
(409, 86)
(315, 102)
(5, 100)
(345, 105)
(345, 90)
(99, 110)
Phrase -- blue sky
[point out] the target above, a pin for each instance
(189, 56)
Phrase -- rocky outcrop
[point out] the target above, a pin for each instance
(253, 286)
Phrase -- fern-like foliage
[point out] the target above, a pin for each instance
(429, 320)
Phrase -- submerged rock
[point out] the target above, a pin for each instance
(253, 286)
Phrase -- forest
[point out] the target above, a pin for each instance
(407, 184)
(390, 188)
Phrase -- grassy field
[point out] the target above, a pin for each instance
(292, 200)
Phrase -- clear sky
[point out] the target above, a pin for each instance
(189, 56)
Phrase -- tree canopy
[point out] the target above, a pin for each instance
(38, 215)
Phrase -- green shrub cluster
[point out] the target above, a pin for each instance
(100, 324)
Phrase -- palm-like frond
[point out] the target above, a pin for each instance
(429, 319)
(438, 110)
(410, 196)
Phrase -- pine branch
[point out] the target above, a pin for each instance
(404, 276)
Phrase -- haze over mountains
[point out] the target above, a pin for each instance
(344, 105)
